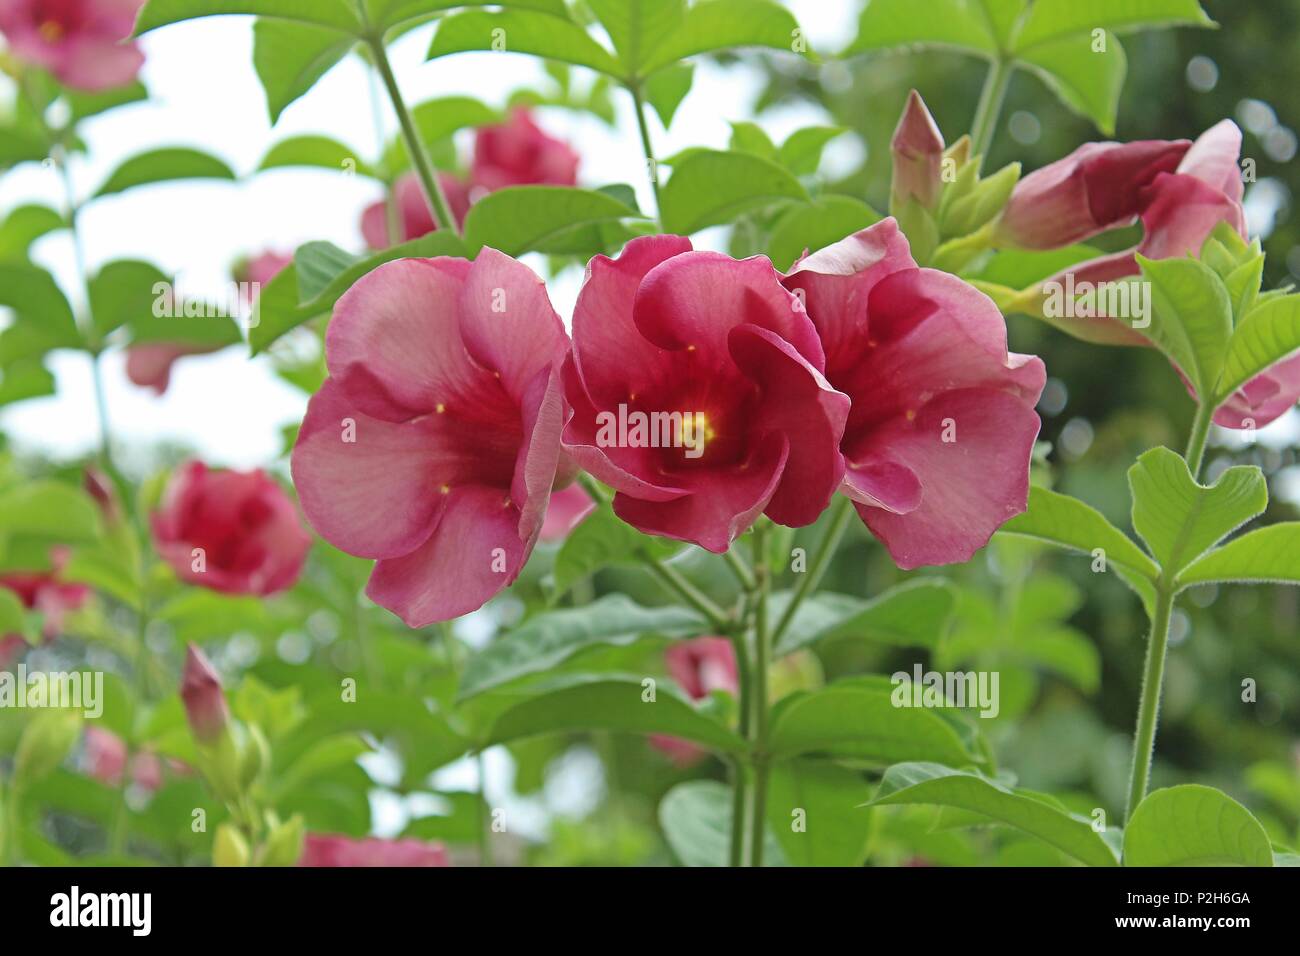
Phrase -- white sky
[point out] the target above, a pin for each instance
(206, 95)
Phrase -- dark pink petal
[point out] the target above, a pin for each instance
(721, 503)
(879, 482)
(538, 460)
(473, 553)
(566, 511)
(1181, 215)
(1214, 159)
(800, 404)
(970, 486)
(328, 850)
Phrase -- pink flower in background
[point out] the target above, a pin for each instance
(231, 531)
(1097, 187)
(414, 215)
(434, 444)
(106, 759)
(519, 153)
(263, 267)
(150, 365)
(321, 849)
(663, 330)
(942, 426)
(79, 41)
(566, 511)
(701, 666)
(41, 591)
(203, 696)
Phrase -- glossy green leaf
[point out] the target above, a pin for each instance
(123, 291)
(1191, 319)
(552, 637)
(696, 820)
(317, 264)
(23, 226)
(890, 24)
(1070, 523)
(164, 165)
(913, 614)
(45, 319)
(290, 57)
(600, 541)
(1050, 20)
(1180, 519)
(637, 27)
(713, 25)
(807, 227)
(520, 219)
(1193, 825)
(1269, 555)
(812, 811)
(339, 14)
(1267, 334)
(608, 702)
(521, 31)
(801, 153)
(931, 783)
(711, 187)
(1086, 77)
(323, 152)
(667, 88)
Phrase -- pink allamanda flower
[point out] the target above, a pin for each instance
(81, 42)
(700, 666)
(942, 425)
(520, 153)
(434, 443)
(663, 330)
(414, 217)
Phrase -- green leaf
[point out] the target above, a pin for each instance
(637, 27)
(858, 719)
(164, 165)
(198, 614)
(608, 702)
(1087, 80)
(601, 540)
(712, 25)
(1049, 20)
(45, 319)
(807, 227)
(84, 105)
(24, 379)
(710, 187)
(317, 264)
(1070, 523)
(1193, 825)
(290, 57)
(889, 24)
(338, 14)
(395, 16)
(317, 151)
(931, 783)
(23, 226)
(49, 509)
(324, 756)
(123, 291)
(521, 31)
(550, 638)
(696, 820)
(520, 219)
(811, 809)
(1265, 335)
(1191, 319)
(667, 88)
(13, 617)
(1268, 555)
(747, 137)
(913, 614)
(1180, 519)
(801, 153)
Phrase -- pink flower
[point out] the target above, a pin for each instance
(150, 365)
(79, 41)
(231, 531)
(519, 153)
(942, 426)
(1097, 187)
(41, 591)
(106, 759)
(567, 509)
(263, 267)
(434, 443)
(320, 849)
(204, 698)
(701, 666)
(662, 331)
(415, 218)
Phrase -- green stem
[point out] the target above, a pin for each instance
(985, 122)
(1196, 441)
(1144, 736)
(739, 802)
(841, 514)
(392, 214)
(652, 164)
(484, 818)
(739, 568)
(117, 834)
(414, 146)
(759, 694)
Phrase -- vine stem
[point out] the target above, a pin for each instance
(1144, 736)
(414, 146)
(1198, 438)
(652, 164)
(990, 106)
(840, 517)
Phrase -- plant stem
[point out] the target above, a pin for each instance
(841, 515)
(117, 834)
(739, 568)
(392, 214)
(1196, 441)
(739, 813)
(652, 164)
(484, 833)
(985, 123)
(414, 146)
(758, 694)
(1144, 736)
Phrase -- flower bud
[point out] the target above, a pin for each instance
(918, 156)
(284, 843)
(230, 848)
(205, 701)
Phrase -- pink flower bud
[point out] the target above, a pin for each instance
(918, 155)
(205, 701)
